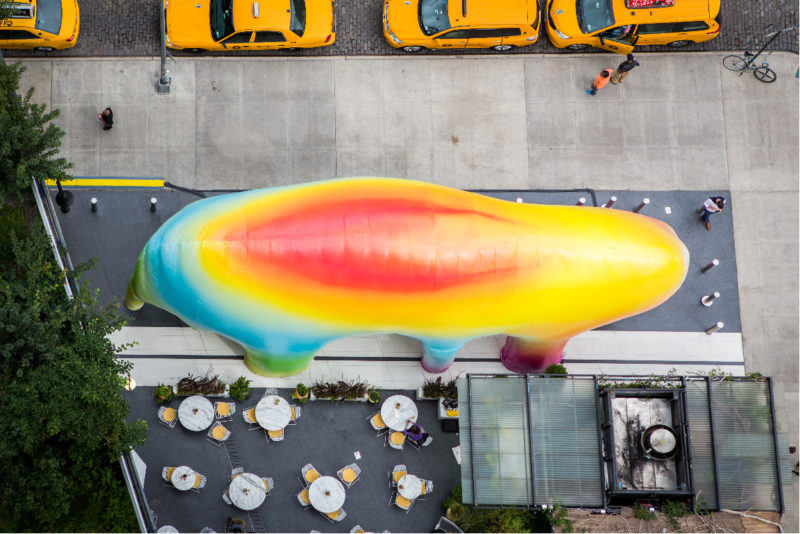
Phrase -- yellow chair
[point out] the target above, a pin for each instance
(275, 435)
(166, 474)
(338, 515)
(168, 416)
(249, 417)
(310, 474)
(224, 410)
(377, 422)
(402, 502)
(269, 483)
(349, 474)
(218, 434)
(397, 440)
(303, 497)
(398, 475)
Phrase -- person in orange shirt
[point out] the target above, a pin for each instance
(601, 81)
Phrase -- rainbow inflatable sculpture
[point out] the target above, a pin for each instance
(285, 270)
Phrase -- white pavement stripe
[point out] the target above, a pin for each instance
(606, 344)
(164, 355)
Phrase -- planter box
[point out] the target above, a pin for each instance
(312, 397)
(224, 395)
(420, 396)
(443, 412)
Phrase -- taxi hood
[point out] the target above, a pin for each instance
(564, 17)
(403, 18)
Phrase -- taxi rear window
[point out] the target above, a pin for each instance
(48, 16)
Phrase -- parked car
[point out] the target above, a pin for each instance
(198, 25)
(620, 25)
(500, 24)
(43, 25)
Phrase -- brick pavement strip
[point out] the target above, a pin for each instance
(112, 28)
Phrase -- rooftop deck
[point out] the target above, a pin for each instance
(327, 435)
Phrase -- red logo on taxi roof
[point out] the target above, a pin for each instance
(649, 3)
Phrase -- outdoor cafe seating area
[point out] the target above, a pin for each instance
(276, 465)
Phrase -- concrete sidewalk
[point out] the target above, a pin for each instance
(680, 121)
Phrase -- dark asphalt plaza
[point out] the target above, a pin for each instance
(120, 28)
(327, 435)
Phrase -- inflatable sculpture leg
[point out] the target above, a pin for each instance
(438, 356)
(132, 300)
(524, 356)
(276, 365)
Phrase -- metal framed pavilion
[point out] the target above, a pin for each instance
(533, 440)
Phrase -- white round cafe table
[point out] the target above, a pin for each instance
(273, 412)
(247, 491)
(183, 478)
(409, 487)
(397, 410)
(167, 528)
(196, 413)
(326, 494)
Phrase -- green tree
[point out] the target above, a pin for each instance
(30, 143)
(63, 423)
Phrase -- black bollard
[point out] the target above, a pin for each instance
(63, 198)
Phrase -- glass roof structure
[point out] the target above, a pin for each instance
(532, 440)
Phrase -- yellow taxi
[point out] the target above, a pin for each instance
(621, 25)
(500, 24)
(43, 25)
(199, 25)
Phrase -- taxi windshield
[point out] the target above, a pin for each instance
(48, 16)
(433, 16)
(298, 16)
(594, 15)
(221, 18)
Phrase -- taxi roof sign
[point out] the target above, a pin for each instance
(639, 4)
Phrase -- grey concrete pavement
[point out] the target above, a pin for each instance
(678, 122)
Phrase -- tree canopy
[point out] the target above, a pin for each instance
(30, 143)
(63, 424)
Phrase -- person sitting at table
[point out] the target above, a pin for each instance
(415, 433)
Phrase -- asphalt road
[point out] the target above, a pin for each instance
(123, 28)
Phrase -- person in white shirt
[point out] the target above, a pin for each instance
(711, 205)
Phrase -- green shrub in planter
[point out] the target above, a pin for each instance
(163, 394)
(374, 396)
(300, 394)
(455, 512)
(457, 492)
(555, 369)
(240, 389)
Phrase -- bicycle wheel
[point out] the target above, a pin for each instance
(734, 63)
(765, 74)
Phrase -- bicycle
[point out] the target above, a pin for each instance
(762, 72)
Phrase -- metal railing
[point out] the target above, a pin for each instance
(59, 246)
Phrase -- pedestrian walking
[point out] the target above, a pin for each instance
(624, 68)
(599, 82)
(711, 205)
(107, 118)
